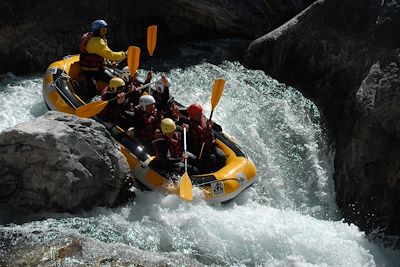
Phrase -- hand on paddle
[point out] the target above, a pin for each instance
(121, 98)
(184, 157)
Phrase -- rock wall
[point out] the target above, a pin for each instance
(35, 33)
(342, 54)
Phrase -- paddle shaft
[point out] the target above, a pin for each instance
(185, 147)
(202, 145)
(185, 188)
(201, 150)
(137, 89)
(217, 90)
(212, 112)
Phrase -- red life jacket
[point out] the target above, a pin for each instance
(88, 60)
(174, 144)
(113, 109)
(200, 133)
(150, 123)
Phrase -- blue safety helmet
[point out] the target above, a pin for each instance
(97, 24)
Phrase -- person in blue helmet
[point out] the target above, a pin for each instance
(94, 52)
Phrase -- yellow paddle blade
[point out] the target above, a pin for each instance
(218, 88)
(133, 59)
(185, 189)
(151, 39)
(91, 109)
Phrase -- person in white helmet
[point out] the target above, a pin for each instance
(132, 83)
(146, 119)
(132, 79)
(164, 101)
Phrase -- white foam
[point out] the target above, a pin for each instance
(20, 100)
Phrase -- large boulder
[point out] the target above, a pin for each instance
(342, 54)
(59, 162)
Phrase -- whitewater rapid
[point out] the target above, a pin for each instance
(287, 218)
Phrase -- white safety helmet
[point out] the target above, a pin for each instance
(146, 100)
(125, 74)
(160, 85)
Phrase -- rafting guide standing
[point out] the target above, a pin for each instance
(94, 51)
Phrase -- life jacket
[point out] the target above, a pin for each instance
(200, 133)
(150, 123)
(174, 144)
(88, 60)
(113, 109)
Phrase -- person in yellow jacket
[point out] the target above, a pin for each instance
(94, 52)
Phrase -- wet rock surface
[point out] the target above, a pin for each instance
(59, 162)
(343, 55)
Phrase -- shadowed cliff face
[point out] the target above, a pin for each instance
(36, 33)
(342, 55)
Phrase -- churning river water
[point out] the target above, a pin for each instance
(287, 218)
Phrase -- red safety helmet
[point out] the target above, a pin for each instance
(195, 109)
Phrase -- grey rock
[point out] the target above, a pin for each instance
(59, 162)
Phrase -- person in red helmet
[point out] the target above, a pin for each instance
(94, 51)
(201, 139)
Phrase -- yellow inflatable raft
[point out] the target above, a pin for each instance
(60, 85)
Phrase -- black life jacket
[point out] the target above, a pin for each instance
(88, 60)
